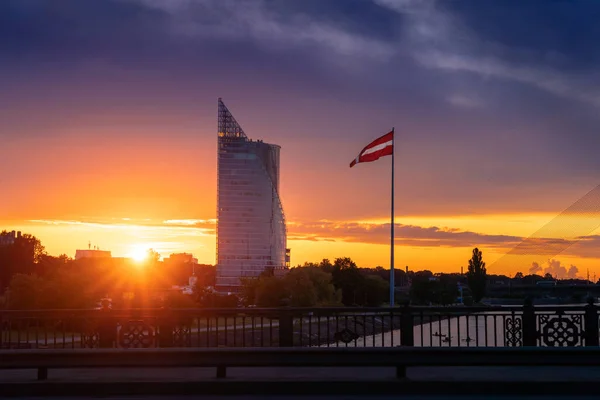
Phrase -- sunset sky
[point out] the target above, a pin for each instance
(108, 124)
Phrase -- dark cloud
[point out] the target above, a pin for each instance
(408, 235)
(535, 268)
(67, 30)
(557, 270)
(533, 27)
(496, 101)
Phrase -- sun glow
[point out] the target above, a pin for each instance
(139, 253)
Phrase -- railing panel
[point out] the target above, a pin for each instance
(558, 328)
(317, 327)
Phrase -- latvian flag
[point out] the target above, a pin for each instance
(384, 146)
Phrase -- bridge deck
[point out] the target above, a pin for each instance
(499, 374)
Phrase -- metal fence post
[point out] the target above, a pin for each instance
(286, 329)
(165, 332)
(107, 329)
(591, 323)
(529, 325)
(407, 326)
(407, 338)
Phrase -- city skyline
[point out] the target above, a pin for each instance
(108, 135)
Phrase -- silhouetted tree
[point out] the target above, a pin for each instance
(19, 257)
(532, 279)
(300, 287)
(426, 289)
(206, 275)
(326, 265)
(447, 289)
(421, 290)
(268, 271)
(152, 258)
(207, 298)
(177, 299)
(347, 278)
(24, 292)
(48, 264)
(376, 291)
(477, 275)
(519, 275)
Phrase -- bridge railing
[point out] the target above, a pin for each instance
(512, 326)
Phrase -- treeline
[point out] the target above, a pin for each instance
(317, 284)
(84, 283)
(32, 279)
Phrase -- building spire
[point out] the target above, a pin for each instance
(228, 126)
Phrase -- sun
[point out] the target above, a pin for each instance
(139, 253)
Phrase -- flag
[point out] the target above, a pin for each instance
(384, 146)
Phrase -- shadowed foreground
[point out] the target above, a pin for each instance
(362, 382)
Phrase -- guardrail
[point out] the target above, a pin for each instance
(221, 359)
(408, 326)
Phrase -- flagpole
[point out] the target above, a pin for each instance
(392, 285)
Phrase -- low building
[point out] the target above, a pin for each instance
(8, 238)
(180, 267)
(92, 253)
(181, 258)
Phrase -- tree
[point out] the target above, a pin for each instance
(48, 264)
(301, 290)
(19, 257)
(271, 292)
(519, 275)
(300, 287)
(177, 299)
(67, 288)
(347, 278)
(24, 292)
(207, 298)
(268, 271)
(326, 293)
(152, 257)
(205, 275)
(477, 276)
(376, 291)
(441, 289)
(447, 289)
(421, 290)
(326, 265)
(342, 263)
(35, 244)
(309, 265)
(249, 289)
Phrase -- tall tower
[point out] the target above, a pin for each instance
(251, 230)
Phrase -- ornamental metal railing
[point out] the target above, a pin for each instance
(510, 326)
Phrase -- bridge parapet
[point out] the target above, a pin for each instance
(407, 326)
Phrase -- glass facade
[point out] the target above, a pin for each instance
(251, 231)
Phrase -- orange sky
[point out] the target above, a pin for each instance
(125, 237)
(123, 192)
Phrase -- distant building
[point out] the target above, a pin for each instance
(181, 258)
(180, 267)
(92, 253)
(8, 238)
(251, 229)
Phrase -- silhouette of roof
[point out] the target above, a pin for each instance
(228, 126)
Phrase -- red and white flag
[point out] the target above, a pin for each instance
(384, 146)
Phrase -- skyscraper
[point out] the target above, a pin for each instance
(251, 231)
